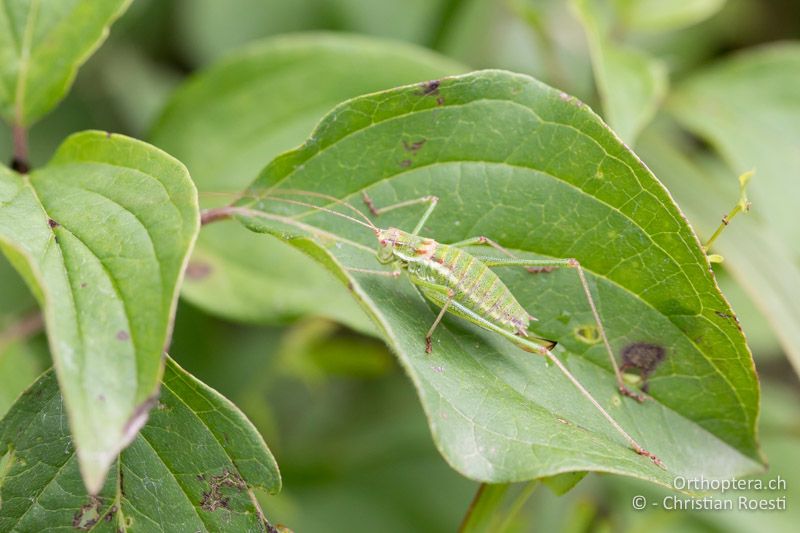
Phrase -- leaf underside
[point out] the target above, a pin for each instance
(193, 467)
(537, 171)
(101, 235)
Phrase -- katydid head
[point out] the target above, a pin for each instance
(387, 240)
(398, 245)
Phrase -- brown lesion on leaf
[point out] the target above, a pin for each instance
(414, 146)
(88, 514)
(110, 514)
(52, 223)
(430, 88)
(644, 357)
(122, 482)
(198, 270)
(730, 317)
(123, 335)
(214, 498)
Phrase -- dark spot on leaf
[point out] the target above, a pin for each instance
(121, 482)
(110, 514)
(196, 270)
(84, 285)
(52, 223)
(413, 147)
(56, 239)
(430, 87)
(88, 514)
(350, 286)
(215, 498)
(644, 357)
(101, 398)
(123, 335)
(440, 100)
(405, 163)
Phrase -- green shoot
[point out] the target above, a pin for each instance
(742, 206)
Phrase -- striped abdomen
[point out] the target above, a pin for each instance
(475, 286)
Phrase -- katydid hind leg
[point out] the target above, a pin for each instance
(482, 240)
(575, 265)
(530, 345)
(638, 448)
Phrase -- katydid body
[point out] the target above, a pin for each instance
(442, 272)
(464, 285)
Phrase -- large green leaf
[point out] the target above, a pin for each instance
(42, 44)
(536, 170)
(256, 104)
(748, 107)
(101, 235)
(193, 467)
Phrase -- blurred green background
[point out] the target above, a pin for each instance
(343, 421)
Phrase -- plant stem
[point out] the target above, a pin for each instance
(742, 206)
(495, 506)
(25, 327)
(217, 213)
(20, 161)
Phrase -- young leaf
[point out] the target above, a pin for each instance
(193, 467)
(537, 171)
(256, 104)
(630, 82)
(101, 235)
(42, 44)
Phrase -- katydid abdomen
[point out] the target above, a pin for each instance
(473, 285)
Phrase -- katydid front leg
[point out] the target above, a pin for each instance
(377, 211)
(442, 311)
